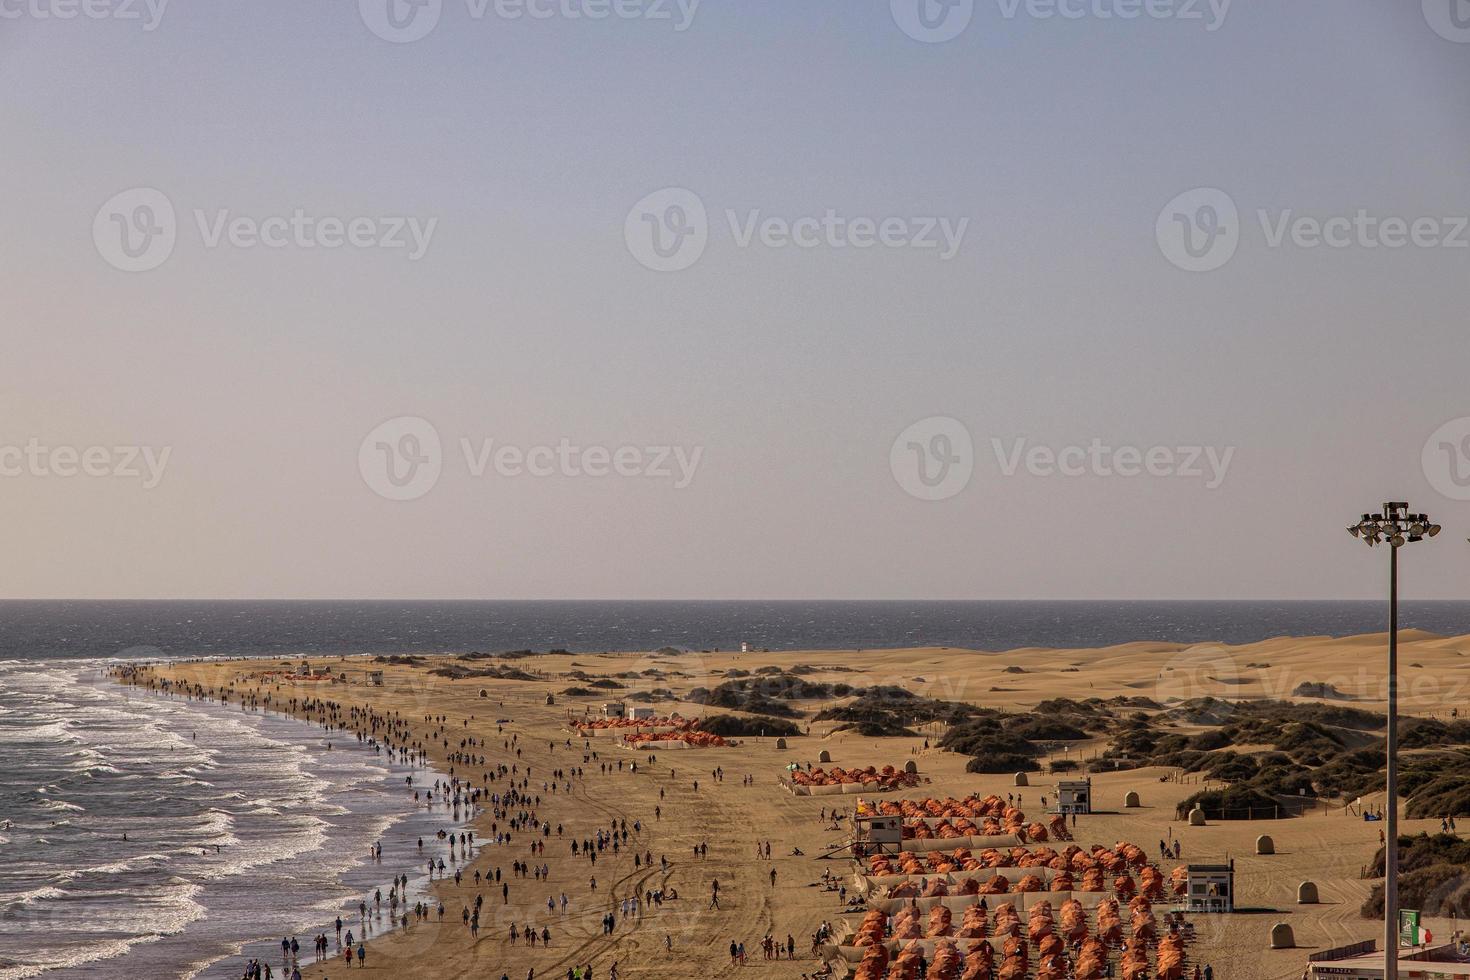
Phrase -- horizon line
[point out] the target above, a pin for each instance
(629, 600)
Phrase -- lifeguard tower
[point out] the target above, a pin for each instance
(874, 833)
(1211, 888)
(1074, 796)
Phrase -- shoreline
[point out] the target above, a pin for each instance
(219, 906)
(352, 877)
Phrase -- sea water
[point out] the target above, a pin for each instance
(151, 835)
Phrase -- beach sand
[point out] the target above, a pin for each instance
(1326, 846)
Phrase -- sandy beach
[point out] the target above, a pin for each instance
(748, 807)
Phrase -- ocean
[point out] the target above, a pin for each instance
(140, 630)
(114, 800)
(84, 761)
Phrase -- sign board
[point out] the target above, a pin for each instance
(1408, 927)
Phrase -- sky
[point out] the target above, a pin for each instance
(828, 299)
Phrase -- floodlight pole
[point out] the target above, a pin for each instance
(1391, 830)
(1395, 526)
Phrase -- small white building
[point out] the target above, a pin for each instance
(1211, 888)
(640, 714)
(876, 834)
(614, 709)
(375, 678)
(1074, 796)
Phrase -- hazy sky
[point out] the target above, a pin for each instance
(760, 415)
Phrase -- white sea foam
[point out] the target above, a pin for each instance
(179, 777)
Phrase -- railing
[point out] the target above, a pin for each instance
(1343, 952)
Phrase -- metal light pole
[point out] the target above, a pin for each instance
(1396, 527)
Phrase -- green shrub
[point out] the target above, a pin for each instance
(730, 726)
(1001, 762)
(1234, 803)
